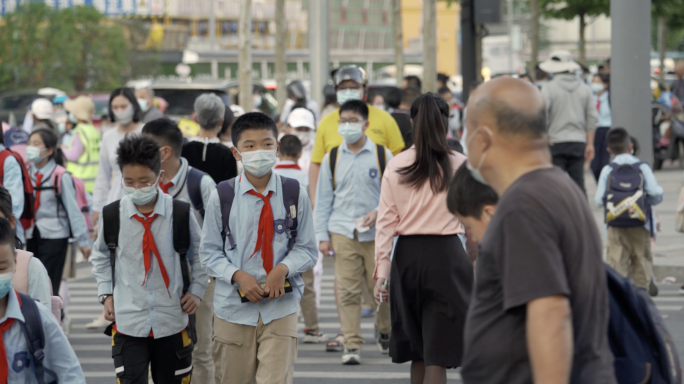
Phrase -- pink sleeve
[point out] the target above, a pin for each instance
(72, 154)
(385, 228)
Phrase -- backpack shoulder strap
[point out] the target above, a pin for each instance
(333, 163)
(226, 192)
(382, 159)
(110, 227)
(32, 328)
(290, 189)
(20, 277)
(181, 237)
(194, 183)
(4, 154)
(57, 175)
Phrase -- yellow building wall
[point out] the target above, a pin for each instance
(448, 22)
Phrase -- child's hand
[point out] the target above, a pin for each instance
(109, 309)
(275, 282)
(249, 285)
(369, 220)
(86, 251)
(190, 303)
(326, 248)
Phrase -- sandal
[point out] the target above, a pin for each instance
(336, 345)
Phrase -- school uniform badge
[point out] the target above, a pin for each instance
(19, 361)
(373, 173)
(279, 226)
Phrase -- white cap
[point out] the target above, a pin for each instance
(237, 110)
(301, 117)
(559, 61)
(42, 109)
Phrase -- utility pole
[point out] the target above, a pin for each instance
(398, 40)
(468, 50)
(212, 38)
(630, 69)
(319, 66)
(509, 9)
(662, 45)
(280, 60)
(245, 55)
(534, 49)
(430, 46)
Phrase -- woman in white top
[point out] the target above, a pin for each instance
(125, 111)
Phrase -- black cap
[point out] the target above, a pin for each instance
(350, 72)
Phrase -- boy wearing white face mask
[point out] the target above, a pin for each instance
(144, 289)
(347, 199)
(257, 249)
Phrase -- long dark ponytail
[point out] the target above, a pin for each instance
(6, 210)
(432, 148)
(51, 141)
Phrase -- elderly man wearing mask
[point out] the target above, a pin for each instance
(145, 97)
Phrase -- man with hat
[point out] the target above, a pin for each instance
(83, 154)
(350, 84)
(571, 115)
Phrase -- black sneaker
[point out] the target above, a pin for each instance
(383, 343)
(351, 357)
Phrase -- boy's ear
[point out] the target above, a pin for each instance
(366, 125)
(489, 210)
(236, 154)
(609, 151)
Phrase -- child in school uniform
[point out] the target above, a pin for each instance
(17, 363)
(11, 177)
(289, 153)
(256, 341)
(56, 219)
(146, 300)
(347, 199)
(185, 183)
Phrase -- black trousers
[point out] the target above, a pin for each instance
(570, 158)
(601, 155)
(170, 357)
(52, 253)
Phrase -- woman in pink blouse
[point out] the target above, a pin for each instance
(431, 275)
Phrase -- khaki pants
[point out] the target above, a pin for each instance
(354, 263)
(629, 252)
(264, 354)
(308, 302)
(203, 371)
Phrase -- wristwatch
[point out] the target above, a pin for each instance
(104, 297)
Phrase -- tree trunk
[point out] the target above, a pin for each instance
(534, 37)
(429, 46)
(582, 40)
(662, 45)
(398, 40)
(479, 35)
(280, 63)
(245, 55)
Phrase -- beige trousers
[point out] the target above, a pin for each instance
(202, 360)
(308, 302)
(354, 264)
(629, 252)
(264, 354)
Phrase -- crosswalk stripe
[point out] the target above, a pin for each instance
(671, 299)
(317, 375)
(669, 307)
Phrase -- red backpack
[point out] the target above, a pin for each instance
(29, 200)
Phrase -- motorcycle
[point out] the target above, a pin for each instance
(668, 129)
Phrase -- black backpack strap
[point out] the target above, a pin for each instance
(194, 183)
(291, 202)
(382, 159)
(111, 224)
(333, 162)
(181, 243)
(226, 192)
(32, 327)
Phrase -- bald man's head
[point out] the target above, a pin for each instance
(679, 68)
(510, 106)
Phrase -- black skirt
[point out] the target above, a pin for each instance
(430, 284)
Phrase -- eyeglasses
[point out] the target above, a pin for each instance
(144, 187)
(353, 120)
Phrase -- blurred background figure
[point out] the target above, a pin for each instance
(600, 86)
(145, 97)
(297, 97)
(330, 104)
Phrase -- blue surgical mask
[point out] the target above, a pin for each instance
(141, 196)
(143, 104)
(345, 95)
(33, 154)
(72, 118)
(257, 101)
(61, 127)
(5, 283)
(351, 132)
(475, 172)
(597, 87)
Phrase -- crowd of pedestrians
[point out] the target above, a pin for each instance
(464, 231)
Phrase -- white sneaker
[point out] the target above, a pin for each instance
(99, 323)
(314, 338)
(66, 325)
(351, 357)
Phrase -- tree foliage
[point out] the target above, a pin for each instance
(569, 9)
(70, 48)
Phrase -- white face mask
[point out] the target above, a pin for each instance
(33, 154)
(5, 283)
(258, 162)
(141, 196)
(304, 136)
(345, 95)
(351, 132)
(126, 116)
(143, 104)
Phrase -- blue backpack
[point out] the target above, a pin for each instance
(625, 201)
(32, 328)
(194, 180)
(643, 347)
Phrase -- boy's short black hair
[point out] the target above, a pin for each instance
(409, 95)
(444, 90)
(6, 233)
(166, 133)
(467, 197)
(252, 120)
(635, 145)
(393, 97)
(357, 106)
(290, 146)
(618, 140)
(139, 150)
(413, 81)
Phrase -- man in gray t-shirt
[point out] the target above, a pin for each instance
(539, 312)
